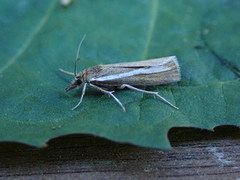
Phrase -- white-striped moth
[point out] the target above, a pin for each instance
(126, 75)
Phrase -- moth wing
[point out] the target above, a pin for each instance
(148, 72)
(145, 63)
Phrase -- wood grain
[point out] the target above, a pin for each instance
(196, 154)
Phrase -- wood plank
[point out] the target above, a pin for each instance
(196, 154)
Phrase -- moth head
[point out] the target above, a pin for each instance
(76, 82)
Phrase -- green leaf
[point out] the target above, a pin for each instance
(38, 37)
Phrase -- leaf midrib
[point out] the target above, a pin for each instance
(30, 38)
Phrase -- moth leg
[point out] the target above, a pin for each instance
(83, 93)
(111, 94)
(147, 92)
(66, 72)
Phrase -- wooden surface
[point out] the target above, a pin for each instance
(196, 154)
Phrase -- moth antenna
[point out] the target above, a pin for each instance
(78, 55)
(66, 72)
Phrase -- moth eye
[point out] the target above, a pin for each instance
(79, 81)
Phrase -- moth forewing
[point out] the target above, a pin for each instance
(149, 72)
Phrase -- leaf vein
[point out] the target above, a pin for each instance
(154, 10)
(29, 39)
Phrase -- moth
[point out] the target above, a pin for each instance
(129, 75)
